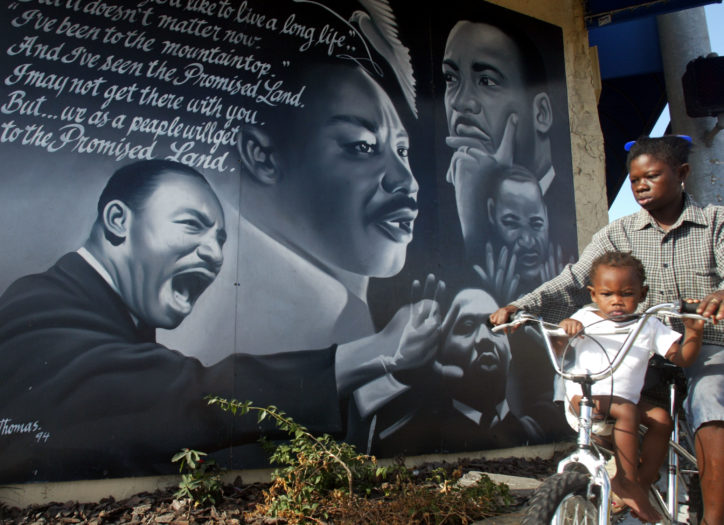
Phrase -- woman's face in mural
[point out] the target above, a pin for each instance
(175, 243)
(484, 85)
(346, 178)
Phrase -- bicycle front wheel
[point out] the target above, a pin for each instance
(566, 495)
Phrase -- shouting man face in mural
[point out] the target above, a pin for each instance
(498, 113)
(460, 404)
(159, 235)
(479, 414)
(482, 355)
(78, 342)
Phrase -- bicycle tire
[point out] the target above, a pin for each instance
(566, 491)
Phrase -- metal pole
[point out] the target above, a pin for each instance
(683, 36)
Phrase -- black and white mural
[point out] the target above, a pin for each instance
(309, 203)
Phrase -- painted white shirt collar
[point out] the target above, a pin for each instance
(98, 267)
(547, 179)
(474, 415)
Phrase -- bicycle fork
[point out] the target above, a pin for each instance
(593, 462)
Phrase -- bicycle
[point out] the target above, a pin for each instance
(580, 491)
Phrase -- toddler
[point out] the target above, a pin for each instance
(617, 287)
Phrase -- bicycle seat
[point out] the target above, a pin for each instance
(659, 375)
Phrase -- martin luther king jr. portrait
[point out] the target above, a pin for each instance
(505, 105)
(328, 200)
(85, 390)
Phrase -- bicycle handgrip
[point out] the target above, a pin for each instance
(688, 308)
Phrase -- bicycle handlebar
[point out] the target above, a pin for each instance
(678, 309)
(688, 308)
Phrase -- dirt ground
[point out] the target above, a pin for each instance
(162, 507)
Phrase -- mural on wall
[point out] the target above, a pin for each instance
(306, 203)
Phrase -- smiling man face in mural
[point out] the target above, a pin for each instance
(162, 243)
(519, 221)
(338, 175)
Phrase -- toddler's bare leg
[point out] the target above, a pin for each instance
(655, 442)
(626, 446)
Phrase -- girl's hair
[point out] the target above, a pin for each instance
(671, 149)
(618, 260)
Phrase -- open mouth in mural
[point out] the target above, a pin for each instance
(528, 259)
(395, 218)
(188, 285)
(488, 358)
(398, 225)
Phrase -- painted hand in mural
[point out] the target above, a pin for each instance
(421, 334)
(471, 171)
(471, 158)
(405, 347)
(499, 277)
(554, 264)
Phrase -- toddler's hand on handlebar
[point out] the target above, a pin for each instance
(571, 327)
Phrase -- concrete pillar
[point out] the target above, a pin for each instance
(683, 36)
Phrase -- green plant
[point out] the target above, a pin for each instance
(312, 467)
(321, 479)
(201, 481)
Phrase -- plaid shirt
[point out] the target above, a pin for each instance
(685, 262)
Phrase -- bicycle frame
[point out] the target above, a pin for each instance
(675, 452)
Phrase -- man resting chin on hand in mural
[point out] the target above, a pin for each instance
(500, 117)
(86, 392)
